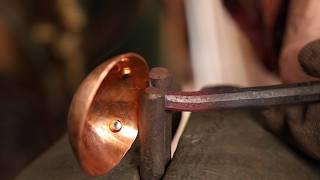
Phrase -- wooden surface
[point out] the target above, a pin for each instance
(225, 145)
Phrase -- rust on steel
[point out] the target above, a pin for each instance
(161, 78)
(151, 134)
(104, 113)
(243, 97)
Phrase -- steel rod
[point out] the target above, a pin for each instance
(151, 135)
(161, 78)
(243, 97)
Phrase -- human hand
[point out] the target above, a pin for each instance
(300, 125)
(299, 61)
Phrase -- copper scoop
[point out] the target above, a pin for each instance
(104, 113)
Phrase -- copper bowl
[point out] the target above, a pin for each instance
(104, 112)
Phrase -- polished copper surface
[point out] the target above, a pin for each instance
(104, 113)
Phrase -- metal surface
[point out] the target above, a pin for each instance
(155, 128)
(243, 97)
(103, 117)
(161, 78)
(152, 135)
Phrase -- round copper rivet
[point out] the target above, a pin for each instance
(115, 126)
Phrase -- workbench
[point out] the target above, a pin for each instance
(214, 145)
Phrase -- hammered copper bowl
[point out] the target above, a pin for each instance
(104, 113)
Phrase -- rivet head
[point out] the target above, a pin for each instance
(126, 72)
(115, 125)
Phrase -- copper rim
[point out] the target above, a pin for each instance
(104, 113)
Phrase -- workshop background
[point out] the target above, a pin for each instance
(47, 48)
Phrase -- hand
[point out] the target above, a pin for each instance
(300, 125)
(299, 61)
(302, 28)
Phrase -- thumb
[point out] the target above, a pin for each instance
(309, 58)
(302, 27)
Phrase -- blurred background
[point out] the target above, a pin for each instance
(48, 47)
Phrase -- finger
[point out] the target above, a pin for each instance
(309, 58)
(302, 27)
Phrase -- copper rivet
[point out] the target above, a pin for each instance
(115, 126)
(126, 72)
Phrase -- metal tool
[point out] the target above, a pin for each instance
(243, 97)
(116, 98)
